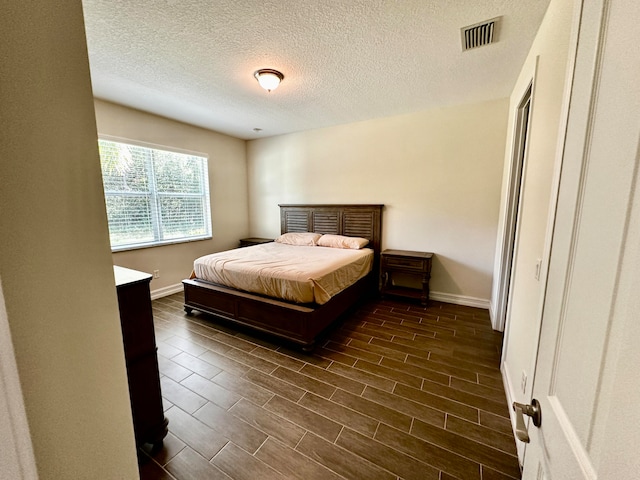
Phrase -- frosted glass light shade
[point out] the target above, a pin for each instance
(268, 79)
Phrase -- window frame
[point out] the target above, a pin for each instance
(155, 211)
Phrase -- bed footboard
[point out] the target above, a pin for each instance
(300, 324)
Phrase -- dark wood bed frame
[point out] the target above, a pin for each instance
(297, 323)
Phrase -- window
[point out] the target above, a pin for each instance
(154, 197)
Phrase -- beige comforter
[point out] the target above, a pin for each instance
(301, 274)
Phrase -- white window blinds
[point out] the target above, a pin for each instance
(153, 196)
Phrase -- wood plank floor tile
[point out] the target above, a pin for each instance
(395, 390)
(496, 422)
(345, 416)
(171, 446)
(492, 393)
(308, 419)
(170, 369)
(305, 357)
(251, 360)
(353, 352)
(335, 356)
(400, 345)
(275, 385)
(407, 406)
(150, 470)
(166, 350)
(423, 372)
(334, 379)
(194, 433)
(278, 358)
(391, 374)
(348, 333)
(466, 365)
(381, 349)
(186, 345)
(443, 368)
(236, 430)
(482, 434)
(382, 413)
(341, 461)
(166, 404)
(407, 330)
(235, 341)
(459, 409)
(188, 465)
(287, 432)
(304, 382)
(197, 365)
(372, 329)
(393, 460)
(478, 452)
(211, 391)
(180, 395)
(493, 381)
(244, 388)
(293, 464)
(206, 337)
(498, 407)
(490, 474)
(363, 376)
(430, 453)
(242, 466)
(225, 363)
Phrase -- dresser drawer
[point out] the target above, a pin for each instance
(405, 263)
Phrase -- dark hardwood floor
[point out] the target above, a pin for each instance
(396, 391)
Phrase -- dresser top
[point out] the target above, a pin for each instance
(126, 276)
(407, 253)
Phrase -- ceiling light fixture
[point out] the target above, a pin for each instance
(268, 78)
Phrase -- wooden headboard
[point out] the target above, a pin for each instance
(352, 220)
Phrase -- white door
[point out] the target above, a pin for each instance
(593, 272)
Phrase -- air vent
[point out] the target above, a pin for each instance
(480, 34)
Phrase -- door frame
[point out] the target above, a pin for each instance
(516, 173)
(17, 458)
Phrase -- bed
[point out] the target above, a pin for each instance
(299, 323)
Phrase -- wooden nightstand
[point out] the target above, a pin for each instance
(247, 242)
(416, 264)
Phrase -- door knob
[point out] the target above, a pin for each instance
(532, 411)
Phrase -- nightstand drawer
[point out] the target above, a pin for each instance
(405, 263)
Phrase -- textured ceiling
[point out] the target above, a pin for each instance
(343, 60)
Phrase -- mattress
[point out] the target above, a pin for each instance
(301, 274)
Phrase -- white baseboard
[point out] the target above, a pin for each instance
(438, 296)
(460, 299)
(166, 291)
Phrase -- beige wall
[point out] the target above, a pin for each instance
(438, 173)
(227, 184)
(550, 53)
(55, 261)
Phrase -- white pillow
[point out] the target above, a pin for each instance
(340, 241)
(299, 238)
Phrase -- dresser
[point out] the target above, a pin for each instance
(138, 336)
(416, 265)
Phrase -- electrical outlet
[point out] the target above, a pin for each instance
(156, 274)
(523, 381)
